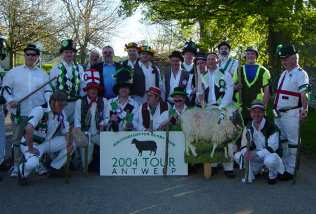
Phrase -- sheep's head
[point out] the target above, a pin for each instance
(134, 141)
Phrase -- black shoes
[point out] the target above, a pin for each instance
(272, 181)
(230, 174)
(285, 176)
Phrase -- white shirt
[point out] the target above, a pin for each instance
(158, 118)
(149, 75)
(232, 67)
(122, 113)
(188, 67)
(23, 80)
(93, 127)
(296, 81)
(131, 64)
(212, 78)
(56, 71)
(53, 121)
(259, 139)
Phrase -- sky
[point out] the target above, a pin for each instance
(131, 30)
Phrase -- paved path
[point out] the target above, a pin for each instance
(192, 194)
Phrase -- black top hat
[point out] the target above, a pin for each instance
(67, 44)
(179, 91)
(189, 47)
(224, 43)
(32, 47)
(253, 49)
(176, 54)
(200, 56)
(285, 51)
(123, 78)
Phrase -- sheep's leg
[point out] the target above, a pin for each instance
(213, 150)
(192, 148)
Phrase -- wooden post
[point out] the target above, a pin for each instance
(207, 169)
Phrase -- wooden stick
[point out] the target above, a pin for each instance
(207, 168)
(165, 167)
(36, 90)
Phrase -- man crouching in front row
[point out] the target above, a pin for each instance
(45, 134)
(260, 146)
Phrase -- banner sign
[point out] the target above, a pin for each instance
(141, 153)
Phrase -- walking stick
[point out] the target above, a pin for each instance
(36, 90)
(69, 145)
(298, 154)
(165, 167)
(248, 173)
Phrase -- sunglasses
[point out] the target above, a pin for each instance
(107, 52)
(30, 54)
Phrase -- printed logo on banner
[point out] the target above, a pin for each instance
(141, 153)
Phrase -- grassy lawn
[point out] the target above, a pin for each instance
(308, 133)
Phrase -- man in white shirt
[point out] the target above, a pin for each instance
(153, 115)
(132, 54)
(218, 87)
(18, 83)
(290, 106)
(70, 76)
(226, 63)
(175, 77)
(90, 113)
(146, 75)
(45, 134)
(260, 145)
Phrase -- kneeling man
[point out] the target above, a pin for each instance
(45, 133)
(260, 145)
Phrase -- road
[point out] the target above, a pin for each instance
(131, 195)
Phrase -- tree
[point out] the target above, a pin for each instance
(264, 23)
(90, 22)
(25, 21)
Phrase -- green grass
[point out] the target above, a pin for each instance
(308, 133)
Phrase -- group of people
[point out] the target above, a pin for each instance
(135, 95)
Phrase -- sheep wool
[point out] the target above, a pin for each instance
(208, 130)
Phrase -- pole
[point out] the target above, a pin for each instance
(165, 167)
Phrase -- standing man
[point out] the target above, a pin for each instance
(19, 82)
(254, 83)
(218, 87)
(153, 115)
(262, 146)
(123, 109)
(146, 75)
(108, 68)
(132, 54)
(226, 63)
(201, 70)
(45, 133)
(70, 77)
(290, 105)
(94, 58)
(189, 52)
(90, 112)
(175, 77)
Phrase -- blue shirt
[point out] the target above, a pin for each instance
(108, 80)
(251, 71)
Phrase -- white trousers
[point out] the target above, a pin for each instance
(288, 123)
(57, 144)
(263, 158)
(70, 111)
(2, 135)
(95, 140)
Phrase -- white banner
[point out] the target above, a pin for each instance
(141, 154)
